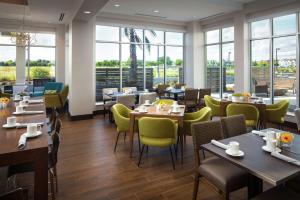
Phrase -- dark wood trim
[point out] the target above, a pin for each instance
(81, 117)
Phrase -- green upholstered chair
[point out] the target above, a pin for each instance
(213, 104)
(157, 132)
(201, 115)
(57, 100)
(164, 101)
(275, 113)
(250, 112)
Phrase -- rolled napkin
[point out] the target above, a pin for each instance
(22, 142)
(285, 158)
(35, 101)
(219, 144)
(259, 133)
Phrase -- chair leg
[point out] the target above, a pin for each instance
(55, 177)
(139, 142)
(196, 186)
(203, 153)
(173, 164)
(104, 112)
(175, 150)
(141, 154)
(116, 142)
(52, 185)
(124, 136)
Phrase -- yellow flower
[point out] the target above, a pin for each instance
(4, 100)
(246, 94)
(286, 137)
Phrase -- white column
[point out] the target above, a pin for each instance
(20, 64)
(60, 53)
(241, 55)
(194, 56)
(81, 67)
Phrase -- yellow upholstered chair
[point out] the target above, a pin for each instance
(57, 100)
(213, 104)
(201, 115)
(157, 132)
(250, 112)
(275, 113)
(164, 102)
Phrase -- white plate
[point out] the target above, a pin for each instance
(11, 126)
(38, 133)
(268, 150)
(239, 154)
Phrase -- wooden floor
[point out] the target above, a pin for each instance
(89, 169)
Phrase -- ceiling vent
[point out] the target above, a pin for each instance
(61, 17)
(152, 16)
(212, 16)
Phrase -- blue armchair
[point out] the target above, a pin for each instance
(50, 87)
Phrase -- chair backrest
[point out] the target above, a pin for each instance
(250, 112)
(129, 89)
(64, 95)
(53, 119)
(234, 125)
(204, 132)
(157, 128)
(58, 86)
(161, 89)
(191, 94)
(203, 92)
(122, 116)
(106, 91)
(297, 116)
(179, 85)
(151, 96)
(16, 194)
(54, 150)
(58, 126)
(127, 100)
(261, 89)
(164, 101)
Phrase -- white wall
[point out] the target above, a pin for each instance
(60, 53)
(81, 67)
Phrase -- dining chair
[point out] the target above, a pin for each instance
(157, 132)
(127, 100)
(179, 85)
(15, 194)
(221, 173)
(213, 104)
(190, 98)
(54, 116)
(164, 102)
(275, 113)
(297, 116)
(129, 89)
(151, 96)
(108, 102)
(57, 100)
(161, 90)
(13, 170)
(233, 126)
(278, 193)
(202, 93)
(121, 115)
(250, 112)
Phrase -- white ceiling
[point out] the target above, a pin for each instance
(177, 10)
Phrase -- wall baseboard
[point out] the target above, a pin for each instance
(81, 117)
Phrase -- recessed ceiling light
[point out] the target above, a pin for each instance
(117, 5)
(194, 16)
(156, 11)
(87, 12)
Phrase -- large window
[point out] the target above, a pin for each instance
(219, 50)
(129, 57)
(273, 59)
(36, 60)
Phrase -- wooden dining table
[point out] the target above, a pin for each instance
(251, 101)
(35, 151)
(164, 112)
(260, 165)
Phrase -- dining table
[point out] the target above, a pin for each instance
(163, 112)
(35, 150)
(261, 106)
(260, 165)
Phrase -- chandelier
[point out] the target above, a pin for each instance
(23, 38)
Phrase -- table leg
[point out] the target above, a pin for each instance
(131, 134)
(41, 175)
(255, 186)
(176, 96)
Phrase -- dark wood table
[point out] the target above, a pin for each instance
(251, 101)
(260, 164)
(175, 92)
(36, 150)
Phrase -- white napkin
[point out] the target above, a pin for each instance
(285, 158)
(219, 144)
(36, 101)
(259, 133)
(22, 141)
(30, 112)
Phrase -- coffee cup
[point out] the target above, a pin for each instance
(11, 120)
(175, 103)
(234, 147)
(271, 135)
(26, 98)
(17, 97)
(260, 99)
(19, 109)
(22, 103)
(147, 102)
(32, 128)
(175, 109)
(271, 145)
